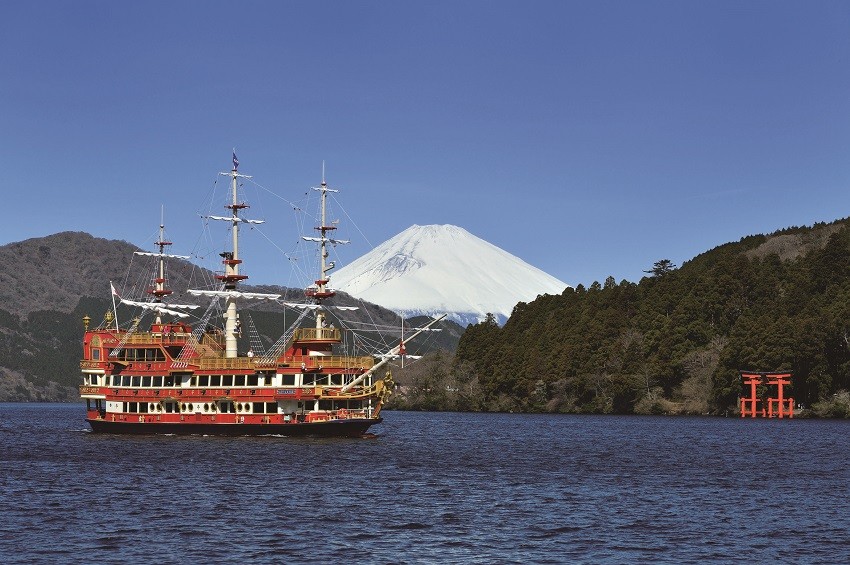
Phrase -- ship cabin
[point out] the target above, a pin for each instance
(146, 376)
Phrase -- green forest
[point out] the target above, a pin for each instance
(672, 343)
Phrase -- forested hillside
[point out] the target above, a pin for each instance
(673, 342)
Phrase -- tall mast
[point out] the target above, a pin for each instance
(321, 292)
(231, 261)
(159, 290)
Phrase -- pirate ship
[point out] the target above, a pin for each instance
(179, 378)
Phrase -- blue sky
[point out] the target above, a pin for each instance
(587, 138)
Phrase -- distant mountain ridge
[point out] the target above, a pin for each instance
(435, 269)
(49, 283)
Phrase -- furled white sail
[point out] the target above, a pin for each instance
(319, 240)
(156, 306)
(234, 294)
(236, 219)
(304, 306)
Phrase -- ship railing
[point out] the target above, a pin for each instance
(314, 362)
(236, 363)
(157, 337)
(373, 390)
(346, 414)
(317, 334)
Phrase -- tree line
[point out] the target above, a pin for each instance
(672, 343)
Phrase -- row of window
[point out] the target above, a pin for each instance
(197, 380)
(254, 379)
(223, 407)
(228, 407)
(148, 354)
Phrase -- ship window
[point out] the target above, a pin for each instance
(133, 407)
(160, 355)
(288, 380)
(143, 407)
(336, 379)
(252, 380)
(271, 407)
(157, 381)
(136, 381)
(204, 380)
(194, 381)
(239, 380)
(95, 354)
(325, 405)
(258, 407)
(309, 379)
(146, 381)
(149, 355)
(125, 380)
(169, 380)
(215, 380)
(227, 380)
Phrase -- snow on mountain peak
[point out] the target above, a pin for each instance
(438, 269)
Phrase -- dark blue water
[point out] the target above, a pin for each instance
(434, 487)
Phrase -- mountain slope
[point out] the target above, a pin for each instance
(48, 284)
(444, 269)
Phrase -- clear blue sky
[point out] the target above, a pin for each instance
(588, 138)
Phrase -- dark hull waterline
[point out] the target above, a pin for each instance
(332, 428)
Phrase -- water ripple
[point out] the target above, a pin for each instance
(448, 488)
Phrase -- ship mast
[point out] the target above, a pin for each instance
(159, 290)
(320, 291)
(231, 261)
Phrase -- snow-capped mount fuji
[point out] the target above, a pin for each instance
(440, 269)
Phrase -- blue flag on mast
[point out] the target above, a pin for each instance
(235, 161)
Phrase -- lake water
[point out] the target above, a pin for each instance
(433, 487)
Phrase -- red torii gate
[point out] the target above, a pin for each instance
(784, 406)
